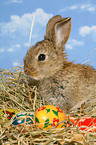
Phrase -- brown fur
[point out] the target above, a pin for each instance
(60, 82)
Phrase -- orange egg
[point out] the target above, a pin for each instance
(71, 120)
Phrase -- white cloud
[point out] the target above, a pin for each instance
(26, 44)
(16, 63)
(13, 1)
(73, 7)
(72, 43)
(85, 7)
(22, 24)
(86, 30)
(88, 7)
(91, 9)
(42, 17)
(2, 50)
(69, 46)
(16, 45)
(10, 49)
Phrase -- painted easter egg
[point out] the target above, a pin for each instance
(49, 116)
(23, 118)
(86, 123)
(70, 121)
(8, 113)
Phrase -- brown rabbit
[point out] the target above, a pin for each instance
(61, 83)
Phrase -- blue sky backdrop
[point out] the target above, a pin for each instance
(15, 24)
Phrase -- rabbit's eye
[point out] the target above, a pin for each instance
(41, 57)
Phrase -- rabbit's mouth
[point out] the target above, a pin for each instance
(31, 72)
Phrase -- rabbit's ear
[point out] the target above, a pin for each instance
(62, 31)
(50, 26)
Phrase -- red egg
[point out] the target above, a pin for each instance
(86, 123)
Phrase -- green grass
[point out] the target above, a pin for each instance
(16, 93)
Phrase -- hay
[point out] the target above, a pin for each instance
(16, 93)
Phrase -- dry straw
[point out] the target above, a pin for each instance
(15, 92)
(89, 57)
(31, 30)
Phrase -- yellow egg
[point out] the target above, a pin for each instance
(8, 113)
(49, 116)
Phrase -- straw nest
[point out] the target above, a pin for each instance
(16, 93)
